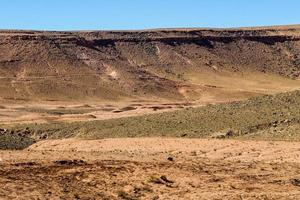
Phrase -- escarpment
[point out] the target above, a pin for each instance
(172, 63)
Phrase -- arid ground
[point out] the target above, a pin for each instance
(152, 168)
(152, 114)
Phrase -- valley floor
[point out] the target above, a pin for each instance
(153, 114)
(152, 168)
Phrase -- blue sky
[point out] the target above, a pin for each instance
(144, 14)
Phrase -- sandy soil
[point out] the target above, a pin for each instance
(152, 168)
(214, 89)
(45, 112)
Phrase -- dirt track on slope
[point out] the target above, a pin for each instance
(152, 168)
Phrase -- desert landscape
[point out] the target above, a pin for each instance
(150, 114)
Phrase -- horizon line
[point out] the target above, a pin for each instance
(157, 29)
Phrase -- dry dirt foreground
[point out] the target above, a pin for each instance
(152, 168)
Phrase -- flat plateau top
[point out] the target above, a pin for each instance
(288, 29)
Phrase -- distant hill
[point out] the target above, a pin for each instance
(180, 64)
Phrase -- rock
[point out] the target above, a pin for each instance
(70, 162)
(218, 135)
(183, 135)
(165, 179)
(295, 182)
(156, 197)
(223, 135)
(170, 158)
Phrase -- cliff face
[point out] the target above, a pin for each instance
(131, 64)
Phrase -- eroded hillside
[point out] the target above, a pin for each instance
(182, 64)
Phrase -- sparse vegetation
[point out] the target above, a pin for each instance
(15, 142)
(245, 119)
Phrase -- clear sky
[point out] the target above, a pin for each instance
(144, 14)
